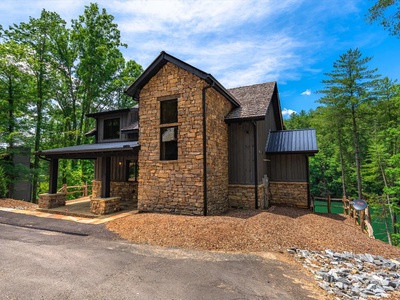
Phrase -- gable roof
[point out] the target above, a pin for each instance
(292, 141)
(134, 89)
(254, 100)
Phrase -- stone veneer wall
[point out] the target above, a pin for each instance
(243, 196)
(96, 188)
(126, 190)
(171, 186)
(217, 152)
(52, 200)
(289, 193)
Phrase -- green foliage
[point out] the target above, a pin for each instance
(3, 183)
(387, 13)
(51, 76)
(360, 111)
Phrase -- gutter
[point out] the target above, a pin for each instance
(204, 98)
(255, 164)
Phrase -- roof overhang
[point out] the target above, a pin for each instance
(92, 151)
(108, 112)
(134, 89)
(302, 141)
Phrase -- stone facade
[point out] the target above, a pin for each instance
(104, 206)
(126, 190)
(289, 193)
(96, 188)
(243, 196)
(217, 152)
(176, 186)
(52, 200)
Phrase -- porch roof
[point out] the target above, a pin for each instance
(292, 142)
(91, 151)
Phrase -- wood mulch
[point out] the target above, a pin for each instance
(248, 231)
(17, 204)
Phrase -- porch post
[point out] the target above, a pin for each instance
(105, 177)
(53, 176)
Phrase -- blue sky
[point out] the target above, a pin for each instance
(293, 42)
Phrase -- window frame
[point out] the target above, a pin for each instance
(169, 149)
(111, 137)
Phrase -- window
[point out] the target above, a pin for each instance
(169, 111)
(111, 129)
(132, 170)
(169, 130)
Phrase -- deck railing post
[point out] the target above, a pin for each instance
(329, 204)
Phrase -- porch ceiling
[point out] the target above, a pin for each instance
(92, 151)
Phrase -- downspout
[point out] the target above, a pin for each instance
(205, 147)
(255, 164)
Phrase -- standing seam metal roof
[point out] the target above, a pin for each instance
(292, 141)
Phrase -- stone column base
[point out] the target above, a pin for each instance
(52, 200)
(104, 206)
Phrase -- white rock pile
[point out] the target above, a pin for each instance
(352, 276)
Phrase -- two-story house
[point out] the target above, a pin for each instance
(191, 146)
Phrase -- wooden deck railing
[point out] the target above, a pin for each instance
(69, 190)
(361, 217)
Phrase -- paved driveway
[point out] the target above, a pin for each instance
(55, 259)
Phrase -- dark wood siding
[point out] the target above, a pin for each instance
(125, 120)
(241, 152)
(287, 167)
(241, 163)
(118, 168)
(270, 121)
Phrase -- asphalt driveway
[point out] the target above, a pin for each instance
(54, 259)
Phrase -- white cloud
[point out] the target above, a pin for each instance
(307, 92)
(287, 112)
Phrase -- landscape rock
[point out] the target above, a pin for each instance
(352, 276)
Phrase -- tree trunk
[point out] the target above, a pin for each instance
(357, 152)
(342, 163)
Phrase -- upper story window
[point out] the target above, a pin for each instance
(111, 129)
(169, 111)
(169, 130)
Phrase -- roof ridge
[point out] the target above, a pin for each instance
(250, 85)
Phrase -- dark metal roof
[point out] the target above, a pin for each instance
(89, 150)
(254, 100)
(134, 89)
(108, 112)
(292, 141)
(131, 127)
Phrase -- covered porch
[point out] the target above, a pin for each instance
(115, 178)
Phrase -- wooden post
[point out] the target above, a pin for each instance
(53, 176)
(105, 177)
(368, 223)
(85, 190)
(329, 204)
(345, 205)
(362, 219)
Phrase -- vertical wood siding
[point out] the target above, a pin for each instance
(287, 167)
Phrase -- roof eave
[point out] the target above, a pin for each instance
(134, 89)
(244, 119)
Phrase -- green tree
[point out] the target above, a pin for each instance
(387, 13)
(97, 41)
(346, 90)
(37, 36)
